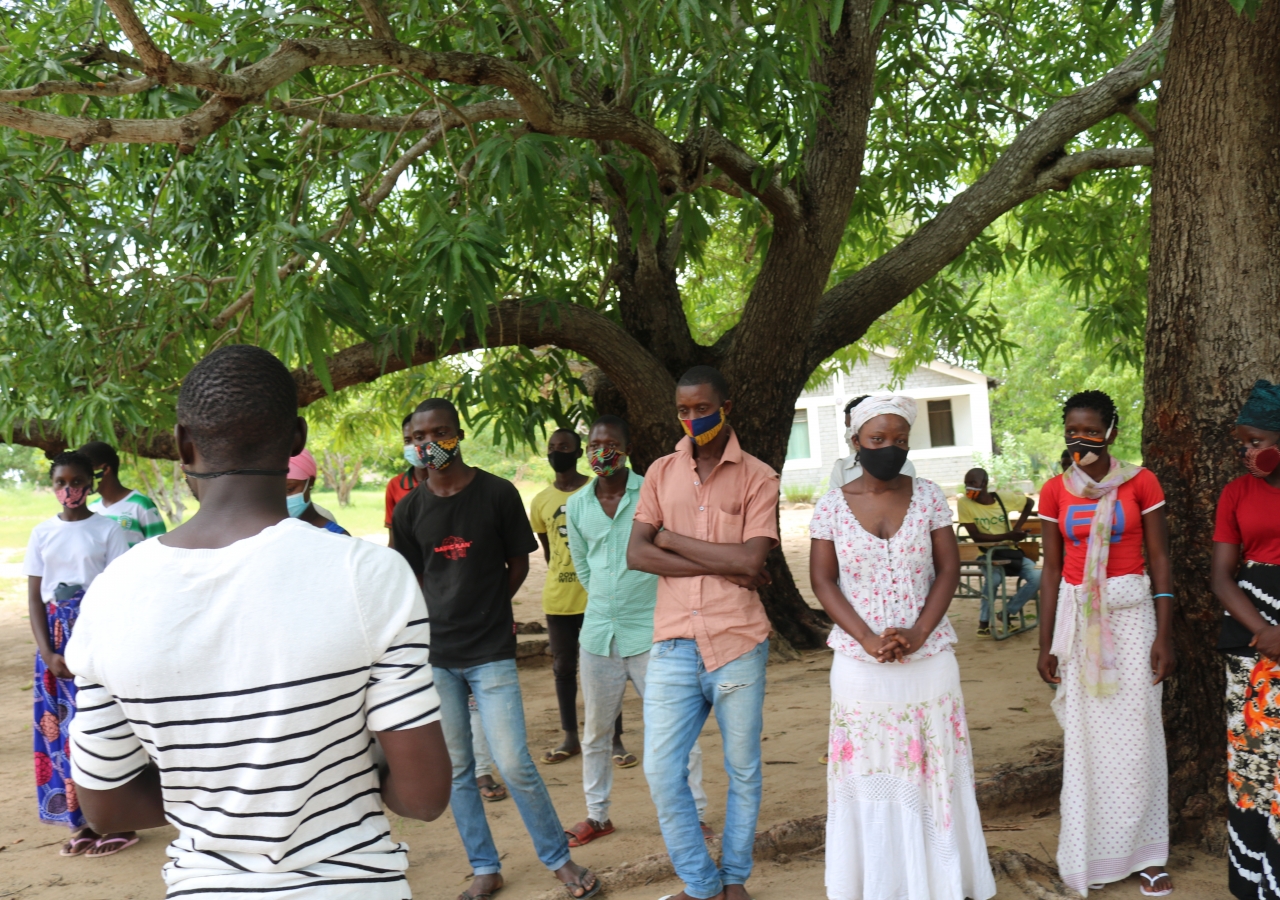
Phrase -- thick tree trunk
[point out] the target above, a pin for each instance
(1213, 328)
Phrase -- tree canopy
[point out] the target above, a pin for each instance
(364, 187)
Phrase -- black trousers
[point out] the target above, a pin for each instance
(562, 635)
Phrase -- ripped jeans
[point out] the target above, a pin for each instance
(679, 694)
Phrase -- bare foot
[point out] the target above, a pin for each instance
(683, 896)
(1162, 883)
(736, 892)
(482, 886)
(579, 880)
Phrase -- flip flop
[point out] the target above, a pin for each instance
(627, 761)
(492, 793)
(555, 757)
(579, 883)
(77, 845)
(1153, 879)
(124, 842)
(586, 831)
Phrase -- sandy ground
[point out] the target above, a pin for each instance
(1008, 711)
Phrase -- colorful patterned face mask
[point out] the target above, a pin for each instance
(72, 497)
(704, 430)
(1262, 461)
(1086, 452)
(606, 462)
(436, 454)
(973, 493)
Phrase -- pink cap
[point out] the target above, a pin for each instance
(302, 467)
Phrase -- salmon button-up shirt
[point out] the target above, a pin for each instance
(736, 502)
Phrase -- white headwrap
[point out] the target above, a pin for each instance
(879, 404)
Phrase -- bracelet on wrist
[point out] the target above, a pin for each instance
(1158, 596)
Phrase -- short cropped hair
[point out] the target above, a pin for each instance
(617, 422)
(577, 438)
(101, 453)
(705, 375)
(1098, 401)
(434, 403)
(239, 404)
(407, 419)
(72, 458)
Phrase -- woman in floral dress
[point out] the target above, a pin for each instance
(902, 818)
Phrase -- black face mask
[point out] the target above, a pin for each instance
(563, 462)
(884, 463)
(1084, 451)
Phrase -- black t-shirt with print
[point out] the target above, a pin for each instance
(459, 546)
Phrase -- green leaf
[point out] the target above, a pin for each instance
(208, 24)
(837, 12)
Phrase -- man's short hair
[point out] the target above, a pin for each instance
(705, 375)
(976, 470)
(101, 453)
(431, 404)
(610, 421)
(239, 404)
(405, 421)
(577, 438)
(73, 458)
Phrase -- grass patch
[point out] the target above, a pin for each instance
(800, 493)
(21, 511)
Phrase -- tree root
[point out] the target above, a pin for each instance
(782, 840)
(1010, 787)
(1034, 878)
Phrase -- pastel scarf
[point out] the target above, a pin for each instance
(1099, 673)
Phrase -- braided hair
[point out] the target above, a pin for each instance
(1098, 401)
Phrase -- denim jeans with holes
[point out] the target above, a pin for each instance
(679, 695)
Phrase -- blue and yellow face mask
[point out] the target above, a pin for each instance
(704, 430)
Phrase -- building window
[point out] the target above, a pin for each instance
(942, 429)
(798, 445)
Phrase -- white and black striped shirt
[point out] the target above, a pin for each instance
(253, 676)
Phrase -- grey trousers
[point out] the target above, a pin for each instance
(604, 682)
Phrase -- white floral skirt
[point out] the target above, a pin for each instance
(902, 818)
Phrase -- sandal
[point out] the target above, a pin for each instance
(77, 845)
(1153, 879)
(580, 883)
(587, 831)
(106, 842)
(625, 761)
(557, 756)
(707, 833)
(493, 791)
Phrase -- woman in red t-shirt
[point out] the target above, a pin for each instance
(1107, 647)
(1247, 525)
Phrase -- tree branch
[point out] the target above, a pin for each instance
(487, 110)
(743, 169)
(1033, 163)
(377, 18)
(116, 88)
(45, 435)
(163, 67)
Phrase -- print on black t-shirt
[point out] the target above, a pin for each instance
(459, 547)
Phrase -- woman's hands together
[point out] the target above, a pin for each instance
(56, 664)
(1267, 642)
(894, 645)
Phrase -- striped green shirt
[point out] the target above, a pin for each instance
(136, 514)
(620, 601)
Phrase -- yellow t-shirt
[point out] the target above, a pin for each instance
(562, 595)
(990, 519)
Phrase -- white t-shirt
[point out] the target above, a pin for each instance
(72, 552)
(253, 677)
(136, 514)
(847, 469)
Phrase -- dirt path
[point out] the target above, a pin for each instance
(1008, 710)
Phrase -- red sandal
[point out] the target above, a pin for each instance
(587, 831)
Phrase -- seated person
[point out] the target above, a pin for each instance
(984, 515)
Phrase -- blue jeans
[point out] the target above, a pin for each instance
(1030, 584)
(497, 691)
(679, 694)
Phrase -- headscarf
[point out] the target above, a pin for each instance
(1262, 409)
(1099, 672)
(879, 404)
(302, 467)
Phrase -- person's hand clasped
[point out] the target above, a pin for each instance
(1018, 535)
(1267, 642)
(882, 647)
(58, 666)
(908, 639)
(1047, 666)
(751, 582)
(1162, 659)
(662, 540)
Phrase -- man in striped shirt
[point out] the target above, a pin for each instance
(237, 674)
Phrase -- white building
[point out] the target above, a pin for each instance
(954, 421)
